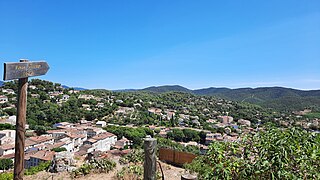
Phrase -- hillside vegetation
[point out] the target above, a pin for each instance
(279, 98)
(272, 154)
(46, 105)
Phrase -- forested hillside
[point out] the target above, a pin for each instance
(279, 98)
(49, 103)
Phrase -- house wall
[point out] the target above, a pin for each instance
(104, 144)
(6, 152)
(69, 147)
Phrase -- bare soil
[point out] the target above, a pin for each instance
(170, 173)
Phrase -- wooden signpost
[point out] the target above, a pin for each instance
(22, 70)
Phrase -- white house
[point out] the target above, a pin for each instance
(77, 140)
(94, 131)
(73, 91)
(7, 136)
(86, 96)
(65, 97)
(8, 91)
(102, 142)
(63, 125)
(32, 87)
(3, 99)
(34, 141)
(6, 149)
(63, 144)
(100, 105)
(101, 124)
(122, 143)
(41, 156)
(57, 133)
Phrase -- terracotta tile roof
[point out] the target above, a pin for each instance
(92, 140)
(75, 136)
(8, 156)
(117, 152)
(27, 155)
(28, 142)
(94, 129)
(85, 147)
(42, 146)
(40, 139)
(43, 155)
(103, 136)
(56, 131)
(55, 145)
(118, 147)
(123, 140)
(7, 146)
(80, 153)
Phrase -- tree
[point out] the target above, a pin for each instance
(10, 111)
(191, 135)
(203, 136)
(157, 130)
(6, 164)
(178, 135)
(6, 126)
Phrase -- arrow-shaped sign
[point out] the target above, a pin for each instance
(24, 69)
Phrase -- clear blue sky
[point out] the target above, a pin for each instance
(194, 43)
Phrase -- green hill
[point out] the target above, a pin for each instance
(280, 98)
(167, 88)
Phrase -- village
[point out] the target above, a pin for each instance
(87, 138)
(132, 90)
(68, 145)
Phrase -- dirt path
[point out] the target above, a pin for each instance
(170, 173)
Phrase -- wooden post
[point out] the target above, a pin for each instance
(150, 145)
(22, 70)
(20, 128)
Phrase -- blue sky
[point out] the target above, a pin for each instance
(124, 44)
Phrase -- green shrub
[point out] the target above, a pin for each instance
(96, 166)
(27, 172)
(136, 156)
(133, 171)
(273, 154)
(6, 176)
(6, 164)
(36, 169)
(59, 149)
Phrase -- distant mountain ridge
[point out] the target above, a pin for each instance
(273, 97)
(280, 98)
(167, 88)
(75, 88)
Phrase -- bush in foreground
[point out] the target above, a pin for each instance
(273, 154)
(94, 166)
